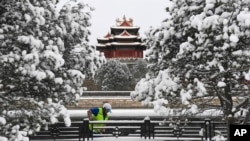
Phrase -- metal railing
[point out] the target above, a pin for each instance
(116, 128)
(195, 129)
(150, 129)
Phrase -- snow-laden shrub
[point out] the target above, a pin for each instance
(113, 76)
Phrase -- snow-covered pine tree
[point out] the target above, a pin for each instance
(113, 76)
(139, 69)
(35, 83)
(198, 56)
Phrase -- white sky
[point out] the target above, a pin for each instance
(145, 13)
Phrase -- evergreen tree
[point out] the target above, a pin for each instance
(199, 55)
(35, 80)
(113, 76)
(138, 70)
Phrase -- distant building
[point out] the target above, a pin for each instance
(123, 42)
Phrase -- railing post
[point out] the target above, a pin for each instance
(208, 130)
(153, 130)
(142, 129)
(54, 132)
(202, 132)
(80, 131)
(147, 127)
(86, 131)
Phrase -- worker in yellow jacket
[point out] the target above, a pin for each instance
(98, 114)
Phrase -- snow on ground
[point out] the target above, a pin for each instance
(124, 139)
(142, 139)
(132, 139)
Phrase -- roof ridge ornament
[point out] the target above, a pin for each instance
(124, 18)
(124, 22)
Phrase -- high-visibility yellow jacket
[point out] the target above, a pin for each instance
(97, 115)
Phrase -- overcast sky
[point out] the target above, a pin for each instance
(145, 13)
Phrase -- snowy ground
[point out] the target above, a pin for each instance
(141, 139)
(134, 139)
(125, 139)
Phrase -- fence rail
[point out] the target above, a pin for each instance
(150, 129)
(202, 129)
(106, 93)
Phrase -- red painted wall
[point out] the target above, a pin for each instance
(129, 53)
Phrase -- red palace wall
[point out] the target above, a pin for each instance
(123, 54)
(107, 54)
